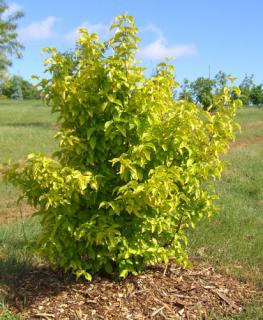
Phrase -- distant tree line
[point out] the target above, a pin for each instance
(202, 90)
(15, 87)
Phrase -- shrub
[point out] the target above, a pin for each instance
(135, 166)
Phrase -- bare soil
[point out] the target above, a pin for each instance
(10, 212)
(242, 143)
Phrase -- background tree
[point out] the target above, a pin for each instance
(4, 63)
(9, 45)
(246, 86)
(17, 93)
(10, 86)
(220, 80)
(202, 89)
(256, 95)
(186, 93)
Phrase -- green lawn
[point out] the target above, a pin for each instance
(25, 127)
(249, 115)
(232, 241)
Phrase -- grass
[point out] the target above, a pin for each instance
(7, 315)
(232, 241)
(249, 115)
(234, 238)
(14, 256)
(251, 132)
(26, 127)
(251, 119)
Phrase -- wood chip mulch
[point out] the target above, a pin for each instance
(198, 292)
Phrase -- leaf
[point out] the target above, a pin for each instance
(232, 79)
(90, 131)
(114, 100)
(92, 142)
(104, 106)
(122, 129)
(85, 274)
(147, 154)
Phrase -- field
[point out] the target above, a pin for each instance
(231, 242)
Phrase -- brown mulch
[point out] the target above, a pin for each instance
(160, 293)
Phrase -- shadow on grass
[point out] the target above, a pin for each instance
(11, 266)
(15, 256)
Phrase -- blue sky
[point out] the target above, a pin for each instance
(227, 35)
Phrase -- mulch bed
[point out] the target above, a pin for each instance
(172, 293)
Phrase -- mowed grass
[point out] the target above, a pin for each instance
(25, 127)
(250, 115)
(231, 241)
(234, 237)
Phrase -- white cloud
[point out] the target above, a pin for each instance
(158, 49)
(154, 29)
(38, 30)
(12, 8)
(98, 28)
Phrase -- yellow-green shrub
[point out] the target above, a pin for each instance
(135, 166)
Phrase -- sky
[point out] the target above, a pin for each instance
(201, 35)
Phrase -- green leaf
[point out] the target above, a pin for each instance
(92, 142)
